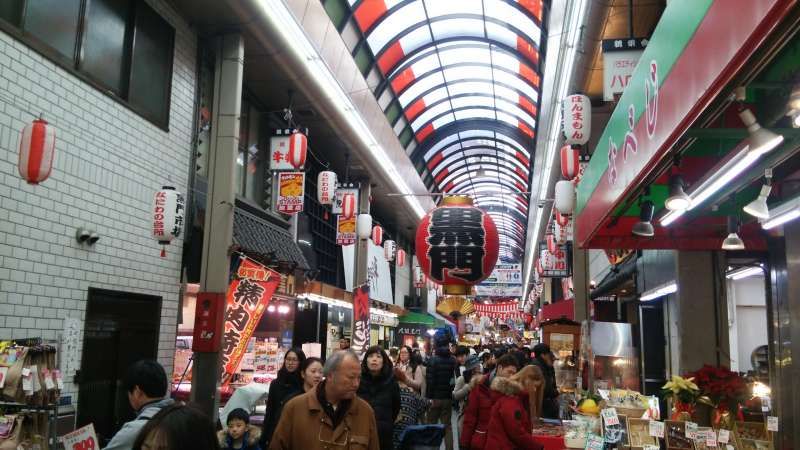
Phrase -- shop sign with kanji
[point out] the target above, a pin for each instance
(556, 264)
(248, 297)
(291, 191)
(280, 146)
(361, 319)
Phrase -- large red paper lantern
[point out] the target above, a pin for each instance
(348, 206)
(377, 234)
(457, 245)
(298, 145)
(570, 162)
(37, 146)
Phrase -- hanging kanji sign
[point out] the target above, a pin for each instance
(360, 338)
(577, 117)
(287, 149)
(556, 264)
(247, 299)
(291, 192)
(457, 245)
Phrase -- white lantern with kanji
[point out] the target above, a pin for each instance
(168, 212)
(298, 145)
(364, 226)
(326, 186)
(377, 234)
(389, 249)
(401, 257)
(37, 146)
(577, 119)
(349, 207)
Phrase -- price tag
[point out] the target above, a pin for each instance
(711, 438)
(656, 429)
(59, 380)
(772, 423)
(724, 436)
(81, 439)
(603, 393)
(610, 417)
(729, 447)
(26, 371)
(691, 430)
(766, 404)
(27, 383)
(594, 442)
(3, 374)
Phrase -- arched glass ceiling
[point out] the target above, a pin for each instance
(466, 79)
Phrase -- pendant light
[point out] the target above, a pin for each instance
(761, 139)
(644, 227)
(758, 207)
(733, 241)
(678, 200)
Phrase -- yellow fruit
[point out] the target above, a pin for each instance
(589, 406)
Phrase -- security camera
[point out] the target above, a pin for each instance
(93, 238)
(82, 235)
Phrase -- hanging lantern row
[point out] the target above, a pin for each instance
(168, 211)
(377, 234)
(37, 146)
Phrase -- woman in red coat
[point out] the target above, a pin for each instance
(519, 399)
(479, 406)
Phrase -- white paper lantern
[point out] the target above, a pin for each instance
(364, 226)
(577, 118)
(389, 249)
(565, 197)
(168, 211)
(419, 277)
(326, 186)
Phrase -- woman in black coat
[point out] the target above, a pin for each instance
(288, 384)
(380, 389)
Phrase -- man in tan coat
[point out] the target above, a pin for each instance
(330, 417)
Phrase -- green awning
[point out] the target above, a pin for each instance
(421, 318)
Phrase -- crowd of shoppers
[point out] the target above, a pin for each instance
(364, 402)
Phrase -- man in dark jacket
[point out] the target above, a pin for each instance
(544, 359)
(440, 380)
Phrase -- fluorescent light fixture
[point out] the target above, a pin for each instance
(282, 19)
(782, 213)
(660, 291)
(342, 304)
(758, 207)
(745, 272)
(729, 170)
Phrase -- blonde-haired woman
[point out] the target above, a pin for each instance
(519, 404)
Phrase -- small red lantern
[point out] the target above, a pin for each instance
(457, 245)
(401, 257)
(348, 206)
(298, 144)
(551, 243)
(539, 268)
(570, 162)
(377, 235)
(37, 146)
(561, 219)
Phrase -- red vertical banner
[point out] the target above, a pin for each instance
(247, 299)
(359, 342)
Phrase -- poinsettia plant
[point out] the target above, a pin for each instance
(682, 389)
(721, 385)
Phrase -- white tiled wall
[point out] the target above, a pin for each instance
(108, 163)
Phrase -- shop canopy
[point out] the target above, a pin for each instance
(464, 79)
(421, 319)
(668, 93)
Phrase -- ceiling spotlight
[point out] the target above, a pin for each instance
(644, 227)
(758, 207)
(761, 140)
(678, 200)
(733, 241)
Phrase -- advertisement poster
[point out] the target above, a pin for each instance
(291, 188)
(557, 264)
(345, 231)
(247, 299)
(83, 438)
(359, 340)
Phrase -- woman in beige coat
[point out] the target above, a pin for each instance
(412, 367)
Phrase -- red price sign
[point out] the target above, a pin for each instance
(81, 439)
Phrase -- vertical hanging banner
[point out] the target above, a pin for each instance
(345, 230)
(291, 190)
(360, 338)
(247, 299)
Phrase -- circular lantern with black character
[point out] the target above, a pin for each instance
(457, 245)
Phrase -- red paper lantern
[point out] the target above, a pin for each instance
(401, 257)
(539, 268)
(561, 219)
(570, 162)
(348, 206)
(298, 144)
(551, 243)
(36, 150)
(377, 234)
(457, 245)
